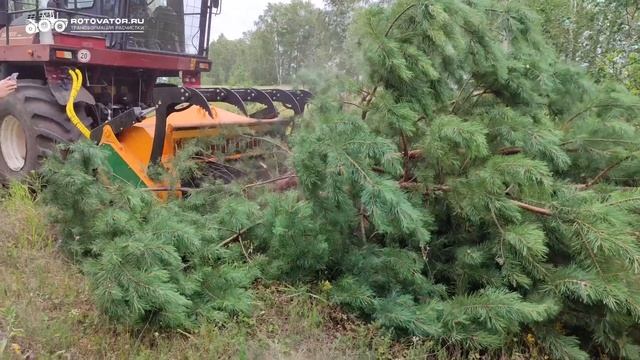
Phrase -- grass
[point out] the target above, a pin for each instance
(46, 312)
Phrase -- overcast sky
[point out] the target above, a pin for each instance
(239, 16)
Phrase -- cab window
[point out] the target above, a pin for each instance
(79, 4)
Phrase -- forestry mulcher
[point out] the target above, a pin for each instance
(95, 69)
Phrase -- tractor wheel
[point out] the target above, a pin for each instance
(31, 124)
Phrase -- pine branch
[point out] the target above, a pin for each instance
(513, 150)
(457, 100)
(270, 181)
(616, 203)
(393, 23)
(352, 104)
(622, 141)
(273, 142)
(244, 251)
(405, 152)
(445, 188)
(368, 101)
(357, 167)
(592, 255)
(418, 154)
(603, 173)
(238, 234)
(533, 209)
(589, 108)
(363, 218)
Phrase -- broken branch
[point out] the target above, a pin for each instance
(261, 183)
(445, 188)
(603, 173)
(237, 235)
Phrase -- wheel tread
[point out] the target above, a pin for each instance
(44, 119)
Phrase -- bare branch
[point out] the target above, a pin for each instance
(603, 173)
(237, 235)
(168, 189)
(352, 104)
(398, 18)
(261, 183)
(513, 150)
(533, 209)
(445, 188)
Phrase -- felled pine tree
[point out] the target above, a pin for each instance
(150, 263)
(476, 189)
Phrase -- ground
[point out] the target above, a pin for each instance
(46, 311)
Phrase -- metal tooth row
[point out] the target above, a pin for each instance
(295, 100)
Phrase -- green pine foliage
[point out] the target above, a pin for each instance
(468, 187)
(150, 263)
(517, 211)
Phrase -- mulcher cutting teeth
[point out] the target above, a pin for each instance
(295, 100)
(169, 100)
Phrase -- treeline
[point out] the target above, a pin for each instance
(287, 39)
(600, 36)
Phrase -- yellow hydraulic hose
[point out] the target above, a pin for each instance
(76, 84)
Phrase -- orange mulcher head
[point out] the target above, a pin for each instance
(136, 139)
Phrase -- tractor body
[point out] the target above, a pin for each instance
(121, 98)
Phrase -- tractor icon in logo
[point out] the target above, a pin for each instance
(48, 20)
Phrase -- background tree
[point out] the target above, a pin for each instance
(295, 34)
(228, 68)
(287, 38)
(602, 36)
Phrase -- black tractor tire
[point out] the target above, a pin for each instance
(42, 123)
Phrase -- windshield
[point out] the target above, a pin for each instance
(170, 25)
(18, 5)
